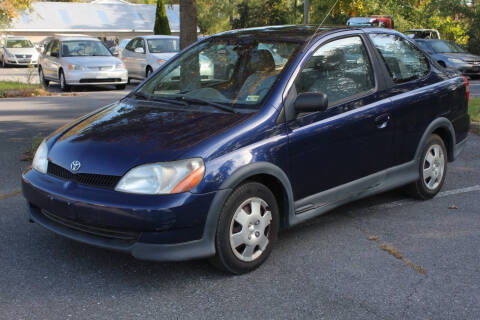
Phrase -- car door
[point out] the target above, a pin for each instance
(353, 137)
(52, 60)
(139, 57)
(414, 96)
(127, 56)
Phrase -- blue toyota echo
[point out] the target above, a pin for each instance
(248, 132)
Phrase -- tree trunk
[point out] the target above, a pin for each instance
(306, 11)
(188, 22)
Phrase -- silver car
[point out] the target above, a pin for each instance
(82, 61)
(145, 54)
(17, 51)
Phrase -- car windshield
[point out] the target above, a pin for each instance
(440, 46)
(84, 48)
(163, 45)
(234, 72)
(19, 44)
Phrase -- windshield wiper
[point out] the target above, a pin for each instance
(220, 106)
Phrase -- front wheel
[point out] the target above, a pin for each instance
(247, 229)
(148, 72)
(432, 169)
(43, 81)
(63, 83)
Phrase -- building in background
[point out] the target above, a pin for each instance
(107, 19)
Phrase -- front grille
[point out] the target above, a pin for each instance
(89, 80)
(23, 56)
(97, 180)
(100, 68)
(94, 230)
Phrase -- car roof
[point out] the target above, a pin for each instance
(67, 38)
(160, 36)
(300, 33)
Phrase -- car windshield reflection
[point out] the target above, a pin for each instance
(227, 71)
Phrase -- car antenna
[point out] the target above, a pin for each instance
(320, 25)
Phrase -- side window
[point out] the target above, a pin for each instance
(340, 68)
(404, 62)
(55, 48)
(140, 44)
(48, 48)
(131, 45)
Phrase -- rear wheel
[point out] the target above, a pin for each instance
(432, 169)
(43, 81)
(63, 83)
(247, 229)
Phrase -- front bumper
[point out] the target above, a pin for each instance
(21, 62)
(161, 228)
(468, 69)
(96, 77)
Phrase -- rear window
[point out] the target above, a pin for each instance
(404, 62)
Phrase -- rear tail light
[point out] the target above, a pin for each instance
(467, 87)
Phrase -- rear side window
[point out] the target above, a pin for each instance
(341, 69)
(404, 62)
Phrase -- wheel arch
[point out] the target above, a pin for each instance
(444, 128)
(272, 177)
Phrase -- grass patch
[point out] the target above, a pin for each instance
(474, 109)
(30, 153)
(10, 89)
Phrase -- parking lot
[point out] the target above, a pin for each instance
(385, 257)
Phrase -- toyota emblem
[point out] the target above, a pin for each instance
(75, 165)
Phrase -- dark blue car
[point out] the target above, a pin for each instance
(195, 164)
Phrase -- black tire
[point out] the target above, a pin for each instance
(442, 64)
(225, 258)
(120, 86)
(148, 72)
(41, 76)
(63, 83)
(420, 189)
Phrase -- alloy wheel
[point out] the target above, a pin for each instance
(433, 167)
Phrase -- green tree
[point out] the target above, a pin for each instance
(161, 20)
(10, 9)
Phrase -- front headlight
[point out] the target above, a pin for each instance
(75, 67)
(455, 60)
(163, 178)
(120, 66)
(10, 55)
(40, 161)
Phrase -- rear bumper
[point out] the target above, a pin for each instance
(160, 228)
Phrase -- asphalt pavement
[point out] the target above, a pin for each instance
(384, 257)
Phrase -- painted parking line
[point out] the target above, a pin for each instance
(442, 194)
(10, 194)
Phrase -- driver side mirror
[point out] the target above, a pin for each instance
(311, 102)
(54, 54)
(139, 50)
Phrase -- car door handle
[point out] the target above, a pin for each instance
(382, 121)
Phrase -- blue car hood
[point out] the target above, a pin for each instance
(131, 132)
